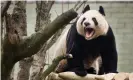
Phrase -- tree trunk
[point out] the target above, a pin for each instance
(43, 15)
(4, 8)
(24, 65)
(16, 48)
(15, 28)
(19, 18)
(42, 19)
(10, 49)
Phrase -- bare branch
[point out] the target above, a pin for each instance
(19, 18)
(32, 44)
(54, 65)
(43, 17)
(77, 8)
(50, 4)
(77, 4)
(4, 8)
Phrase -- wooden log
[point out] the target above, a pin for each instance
(121, 76)
(131, 76)
(73, 76)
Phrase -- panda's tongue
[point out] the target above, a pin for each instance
(89, 32)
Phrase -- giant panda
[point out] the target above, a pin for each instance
(89, 40)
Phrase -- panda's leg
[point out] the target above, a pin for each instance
(79, 71)
(101, 70)
(93, 65)
(96, 65)
(91, 70)
(88, 62)
(76, 65)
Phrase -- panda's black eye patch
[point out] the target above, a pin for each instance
(83, 20)
(95, 21)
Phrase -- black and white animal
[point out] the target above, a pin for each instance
(87, 39)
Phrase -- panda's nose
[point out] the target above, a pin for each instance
(86, 23)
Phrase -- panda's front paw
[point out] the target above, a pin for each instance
(79, 72)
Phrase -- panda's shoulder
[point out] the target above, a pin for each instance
(109, 37)
(110, 33)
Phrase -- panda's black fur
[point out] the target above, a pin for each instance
(81, 48)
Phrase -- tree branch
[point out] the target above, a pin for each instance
(73, 76)
(42, 9)
(54, 65)
(42, 19)
(50, 4)
(77, 4)
(32, 44)
(57, 34)
(4, 8)
(77, 7)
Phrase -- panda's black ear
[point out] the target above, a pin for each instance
(86, 9)
(101, 10)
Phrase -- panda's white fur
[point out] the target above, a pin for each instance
(61, 45)
(100, 29)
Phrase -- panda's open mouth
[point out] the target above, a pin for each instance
(89, 32)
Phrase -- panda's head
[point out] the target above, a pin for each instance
(92, 23)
